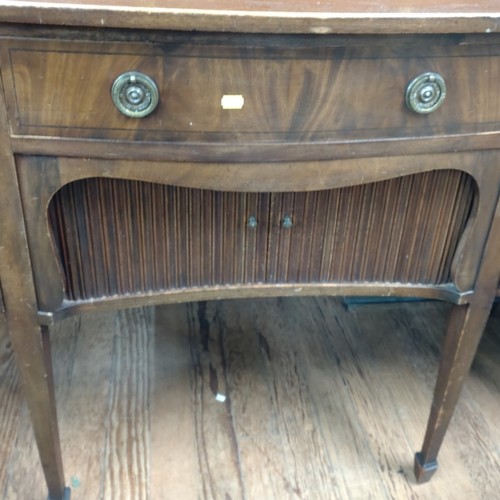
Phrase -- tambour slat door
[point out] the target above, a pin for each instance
(118, 237)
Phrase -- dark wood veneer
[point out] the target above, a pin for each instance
(117, 237)
(304, 94)
(100, 210)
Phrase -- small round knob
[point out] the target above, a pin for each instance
(135, 94)
(287, 222)
(425, 93)
(252, 222)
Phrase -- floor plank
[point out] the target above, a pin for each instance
(300, 398)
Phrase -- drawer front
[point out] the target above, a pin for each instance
(117, 237)
(63, 89)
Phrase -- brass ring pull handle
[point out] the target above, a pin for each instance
(135, 94)
(425, 93)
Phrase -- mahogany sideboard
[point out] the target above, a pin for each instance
(167, 151)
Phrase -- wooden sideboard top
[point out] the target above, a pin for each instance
(271, 16)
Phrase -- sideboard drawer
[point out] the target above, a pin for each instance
(333, 92)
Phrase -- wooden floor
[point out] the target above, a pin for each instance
(321, 402)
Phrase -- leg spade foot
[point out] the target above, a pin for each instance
(424, 471)
(66, 495)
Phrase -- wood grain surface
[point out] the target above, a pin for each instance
(327, 89)
(292, 16)
(4, 339)
(120, 237)
(335, 91)
(322, 401)
(275, 396)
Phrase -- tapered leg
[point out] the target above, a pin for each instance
(460, 342)
(54, 474)
(465, 328)
(30, 342)
(33, 353)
